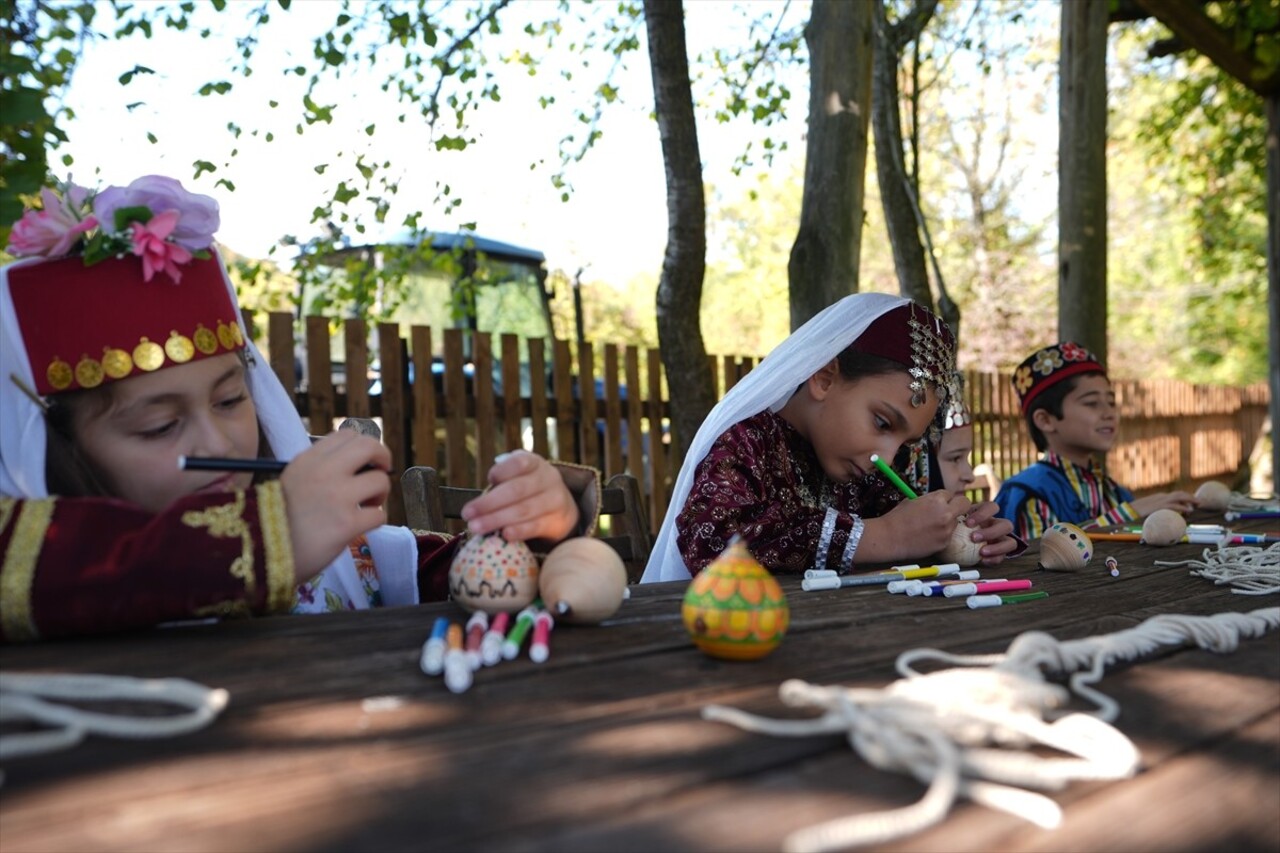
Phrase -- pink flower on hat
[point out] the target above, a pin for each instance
(194, 225)
(150, 242)
(53, 230)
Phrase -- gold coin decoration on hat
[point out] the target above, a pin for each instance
(235, 334)
(88, 372)
(179, 347)
(206, 341)
(225, 336)
(59, 374)
(148, 355)
(116, 362)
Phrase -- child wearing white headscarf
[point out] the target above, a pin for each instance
(122, 348)
(784, 460)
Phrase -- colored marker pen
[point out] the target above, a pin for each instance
(524, 621)
(476, 626)
(976, 602)
(984, 587)
(433, 649)
(491, 645)
(540, 648)
(457, 669)
(892, 477)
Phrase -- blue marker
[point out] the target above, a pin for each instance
(434, 648)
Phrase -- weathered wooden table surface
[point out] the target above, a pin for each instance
(335, 740)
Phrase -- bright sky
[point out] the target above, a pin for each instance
(615, 223)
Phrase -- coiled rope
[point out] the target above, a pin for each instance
(35, 698)
(955, 730)
(1247, 569)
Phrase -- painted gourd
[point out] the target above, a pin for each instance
(1164, 527)
(1213, 496)
(734, 608)
(491, 574)
(1065, 548)
(961, 549)
(583, 580)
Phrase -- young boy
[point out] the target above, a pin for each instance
(1072, 416)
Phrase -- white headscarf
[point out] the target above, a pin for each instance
(23, 440)
(768, 386)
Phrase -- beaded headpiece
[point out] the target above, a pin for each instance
(957, 413)
(106, 303)
(916, 338)
(1047, 367)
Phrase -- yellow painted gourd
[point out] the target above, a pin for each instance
(734, 608)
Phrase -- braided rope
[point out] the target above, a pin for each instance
(1248, 569)
(1239, 502)
(26, 698)
(953, 729)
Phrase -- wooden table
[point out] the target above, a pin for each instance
(335, 740)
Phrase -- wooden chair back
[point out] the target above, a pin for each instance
(430, 505)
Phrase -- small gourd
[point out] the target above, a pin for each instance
(491, 574)
(1065, 548)
(583, 580)
(1164, 527)
(734, 608)
(962, 549)
(1214, 496)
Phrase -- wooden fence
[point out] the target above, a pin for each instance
(1173, 433)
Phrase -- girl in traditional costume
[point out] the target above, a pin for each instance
(116, 361)
(784, 460)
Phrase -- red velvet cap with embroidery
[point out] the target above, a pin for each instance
(114, 301)
(916, 338)
(1049, 366)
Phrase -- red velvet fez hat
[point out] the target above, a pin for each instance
(916, 338)
(1049, 366)
(86, 325)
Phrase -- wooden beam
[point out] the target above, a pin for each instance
(1188, 22)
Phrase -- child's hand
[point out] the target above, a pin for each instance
(1182, 502)
(330, 501)
(913, 529)
(527, 499)
(995, 533)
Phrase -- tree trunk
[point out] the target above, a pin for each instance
(1082, 176)
(680, 288)
(903, 217)
(824, 259)
(1272, 102)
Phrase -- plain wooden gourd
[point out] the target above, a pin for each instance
(583, 580)
(1164, 527)
(1213, 496)
(1065, 548)
(962, 549)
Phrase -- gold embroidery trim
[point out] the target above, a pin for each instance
(277, 547)
(19, 569)
(226, 521)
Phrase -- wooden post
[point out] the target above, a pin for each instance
(1273, 276)
(1082, 176)
(319, 380)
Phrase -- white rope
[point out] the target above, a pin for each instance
(1238, 502)
(34, 699)
(1247, 569)
(956, 730)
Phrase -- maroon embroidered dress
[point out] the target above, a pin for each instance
(95, 565)
(761, 480)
